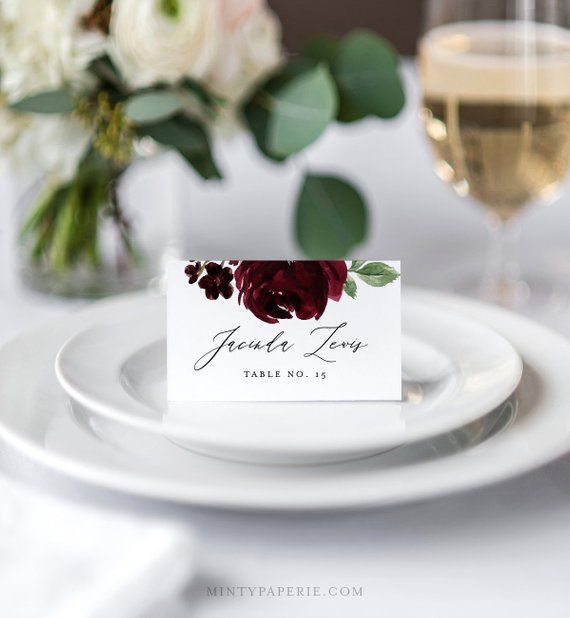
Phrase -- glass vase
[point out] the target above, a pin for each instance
(92, 237)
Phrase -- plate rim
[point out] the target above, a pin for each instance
(207, 440)
(135, 485)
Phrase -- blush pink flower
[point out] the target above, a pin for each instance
(235, 11)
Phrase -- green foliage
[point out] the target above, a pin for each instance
(301, 111)
(63, 230)
(331, 217)
(376, 274)
(350, 287)
(366, 72)
(347, 79)
(153, 106)
(47, 102)
(343, 79)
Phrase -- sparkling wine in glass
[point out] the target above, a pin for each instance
(496, 109)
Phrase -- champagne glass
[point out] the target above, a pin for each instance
(496, 109)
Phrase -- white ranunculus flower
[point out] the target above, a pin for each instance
(43, 45)
(36, 145)
(164, 40)
(251, 48)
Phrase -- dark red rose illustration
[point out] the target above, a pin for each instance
(275, 291)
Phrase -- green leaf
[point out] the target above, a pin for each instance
(367, 76)
(331, 217)
(322, 48)
(378, 274)
(256, 111)
(207, 98)
(48, 102)
(151, 107)
(301, 111)
(257, 120)
(204, 164)
(105, 71)
(350, 287)
(179, 132)
(189, 138)
(356, 264)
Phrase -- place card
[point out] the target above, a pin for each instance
(284, 330)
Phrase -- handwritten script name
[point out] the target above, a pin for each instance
(327, 337)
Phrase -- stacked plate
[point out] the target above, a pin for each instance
(485, 399)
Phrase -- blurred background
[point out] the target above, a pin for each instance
(400, 22)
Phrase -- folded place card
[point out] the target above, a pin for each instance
(284, 331)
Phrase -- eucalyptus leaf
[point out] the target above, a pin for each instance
(331, 217)
(207, 98)
(180, 132)
(322, 48)
(257, 110)
(257, 120)
(189, 138)
(378, 274)
(151, 107)
(301, 111)
(104, 69)
(366, 72)
(47, 102)
(203, 164)
(350, 287)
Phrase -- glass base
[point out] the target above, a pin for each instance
(84, 283)
(542, 293)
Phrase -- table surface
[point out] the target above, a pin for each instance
(499, 551)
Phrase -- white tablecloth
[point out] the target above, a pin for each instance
(500, 551)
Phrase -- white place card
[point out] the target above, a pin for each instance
(284, 331)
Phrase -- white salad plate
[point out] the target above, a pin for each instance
(455, 371)
(529, 430)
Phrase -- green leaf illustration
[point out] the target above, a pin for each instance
(367, 75)
(48, 102)
(356, 265)
(377, 274)
(350, 287)
(331, 217)
(301, 111)
(151, 107)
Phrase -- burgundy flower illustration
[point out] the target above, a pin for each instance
(215, 283)
(275, 291)
(281, 290)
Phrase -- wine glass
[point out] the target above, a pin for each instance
(496, 109)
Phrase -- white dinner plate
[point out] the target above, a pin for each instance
(456, 370)
(35, 418)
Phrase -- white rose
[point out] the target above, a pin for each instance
(43, 45)
(251, 48)
(36, 145)
(164, 40)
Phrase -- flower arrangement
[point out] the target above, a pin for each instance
(88, 84)
(279, 290)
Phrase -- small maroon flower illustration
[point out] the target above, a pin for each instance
(277, 290)
(217, 281)
(192, 271)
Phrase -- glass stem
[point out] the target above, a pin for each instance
(502, 282)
